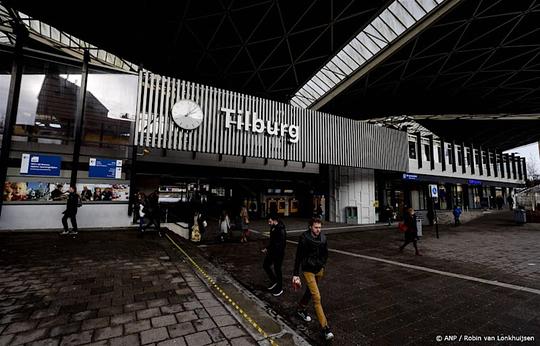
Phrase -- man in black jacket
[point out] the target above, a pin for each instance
(275, 251)
(311, 255)
(73, 202)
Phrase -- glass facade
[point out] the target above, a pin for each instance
(45, 127)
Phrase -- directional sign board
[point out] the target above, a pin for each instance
(433, 191)
(104, 168)
(36, 164)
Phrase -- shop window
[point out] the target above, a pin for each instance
(412, 150)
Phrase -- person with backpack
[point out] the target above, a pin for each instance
(72, 204)
(275, 251)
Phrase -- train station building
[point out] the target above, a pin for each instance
(78, 115)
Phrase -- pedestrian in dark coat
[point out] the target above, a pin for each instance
(72, 204)
(153, 212)
(411, 234)
(275, 251)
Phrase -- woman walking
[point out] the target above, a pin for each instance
(244, 222)
(411, 233)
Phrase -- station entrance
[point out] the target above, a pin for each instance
(184, 189)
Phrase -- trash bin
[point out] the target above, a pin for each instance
(520, 216)
(351, 215)
(419, 225)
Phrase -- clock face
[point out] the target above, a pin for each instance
(187, 114)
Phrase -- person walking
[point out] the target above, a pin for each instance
(141, 211)
(275, 251)
(510, 202)
(457, 213)
(389, 214)
(244, 224)
(72, 204)
(153, 212)
(224, 226)
(311, 257)
(411, 234)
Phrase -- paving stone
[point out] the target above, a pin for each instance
(109, 311)
(135, 306)
(65, 329)
(181, 329)
(8, 318)
(186, 316)
(198, 339)
(201, 313)
(225, 320)
(123, 318)
(44, 342)
(128, 340)
(94, 323)
(216, 335)
(18, 327)
(135, 327)
(77, 339)
(192, 305)
(243, 341)
(172, 309)
(154, 335)
(107, 332)
(204, 324)
(163, 321)
(44, 313)
(84, 315)
(5, 339)
(217, 311)
(29, 336)
(157, 302)
(232, 331)
(148, 313)
(173, 342)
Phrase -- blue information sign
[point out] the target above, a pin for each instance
(104, 168)
(474, 182)
(36, 164)
(410, 176)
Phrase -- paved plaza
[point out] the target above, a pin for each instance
(479, 279)
(106, 288)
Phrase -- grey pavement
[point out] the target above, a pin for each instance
(398, 302)
(106, 288)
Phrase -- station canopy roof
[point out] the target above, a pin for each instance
(467, 70)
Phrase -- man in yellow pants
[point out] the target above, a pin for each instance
(311, 255)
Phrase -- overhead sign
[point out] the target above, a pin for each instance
(474, 182)
(104, 168)
(36, 164)
(410, 176)
(433, 191)
(249, 121)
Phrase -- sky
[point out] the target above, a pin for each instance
(529, 152)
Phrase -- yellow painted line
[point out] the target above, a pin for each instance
(225, 296)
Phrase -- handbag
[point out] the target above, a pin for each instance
(402, 227)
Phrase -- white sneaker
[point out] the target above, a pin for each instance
(277, 294)
(328, 335)
(303, 315)
(64, 233)
(272, 287)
